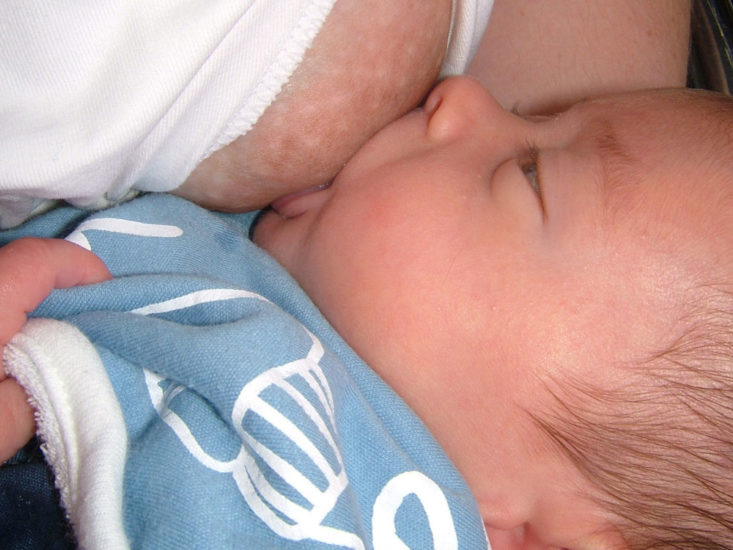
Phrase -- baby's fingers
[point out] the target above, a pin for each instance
(31, 268)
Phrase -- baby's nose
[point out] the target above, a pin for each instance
(459, 105)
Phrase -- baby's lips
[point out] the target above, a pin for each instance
(296, 203)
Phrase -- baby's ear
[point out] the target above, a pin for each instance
(608, 539)
(525, 514)
(522, 538)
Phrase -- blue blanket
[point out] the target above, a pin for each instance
(200, 400)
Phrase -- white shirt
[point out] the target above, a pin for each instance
(101, 97)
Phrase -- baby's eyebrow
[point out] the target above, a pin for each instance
(619, 164)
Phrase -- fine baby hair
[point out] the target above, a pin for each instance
(659, 447)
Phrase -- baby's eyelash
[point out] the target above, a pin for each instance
(530, 167)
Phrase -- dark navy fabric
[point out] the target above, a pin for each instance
(30, 515)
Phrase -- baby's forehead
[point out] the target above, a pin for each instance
(667, 162)
(666, 133)
(669, 116)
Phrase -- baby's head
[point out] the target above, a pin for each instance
(372, 61)
(553, 297)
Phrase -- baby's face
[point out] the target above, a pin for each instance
(470, 256)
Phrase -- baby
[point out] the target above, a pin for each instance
(552, 297)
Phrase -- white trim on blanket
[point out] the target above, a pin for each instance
(68, 385)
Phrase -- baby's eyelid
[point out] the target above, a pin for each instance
(530, 166)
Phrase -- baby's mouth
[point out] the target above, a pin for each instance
(293, 204)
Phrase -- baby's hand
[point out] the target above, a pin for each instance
(29, 270)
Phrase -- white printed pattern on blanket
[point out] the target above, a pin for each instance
(433, 501)
(266, 501)
(196, 298)
(126, 227)
(262, 498)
